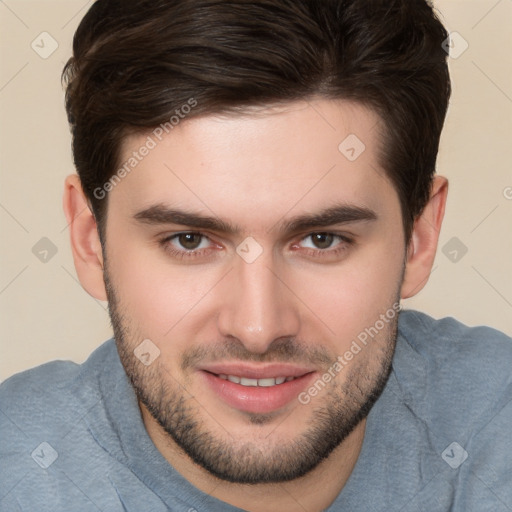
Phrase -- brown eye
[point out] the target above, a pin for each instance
(322, 240)
(325, 245)
(190, 247)
(190, 241)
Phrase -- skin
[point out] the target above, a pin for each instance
(296, 302)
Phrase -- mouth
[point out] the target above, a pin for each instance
(264, 383)
(257, 389)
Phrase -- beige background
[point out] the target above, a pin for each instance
(46, 314)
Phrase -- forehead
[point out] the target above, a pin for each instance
(302, 156)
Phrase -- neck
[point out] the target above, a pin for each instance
(313, 492)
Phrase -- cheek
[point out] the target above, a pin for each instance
(350, 297)
(154, 295)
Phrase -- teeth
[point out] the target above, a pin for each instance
(248, 382)
(267, 382)
(264, 383)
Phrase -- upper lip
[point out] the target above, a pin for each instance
(261, 371)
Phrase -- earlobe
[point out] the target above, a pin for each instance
(422, 247)
(85, 240)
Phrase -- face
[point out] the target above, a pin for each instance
(264, 265)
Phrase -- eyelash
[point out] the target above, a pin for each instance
(184, 254)
(194, 253)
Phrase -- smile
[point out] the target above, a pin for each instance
(246, 381)
(257, 389)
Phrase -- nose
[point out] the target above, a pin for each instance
(257, 306)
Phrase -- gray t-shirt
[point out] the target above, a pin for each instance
(438, 439)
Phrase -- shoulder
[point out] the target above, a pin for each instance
(40, 420)
(48, 377)
(449, 342)
(456, 381)
(31, 397)
(30, 404)
(43, 397)
(462, 375)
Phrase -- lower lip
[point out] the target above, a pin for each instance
(257, 399)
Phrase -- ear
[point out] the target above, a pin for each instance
(422, 247)
(85, 240)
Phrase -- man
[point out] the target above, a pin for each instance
(256, 192)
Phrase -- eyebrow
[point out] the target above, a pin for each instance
(161, 214)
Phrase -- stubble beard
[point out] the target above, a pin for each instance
(335, 414)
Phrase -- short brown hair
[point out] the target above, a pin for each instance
(135, 62)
